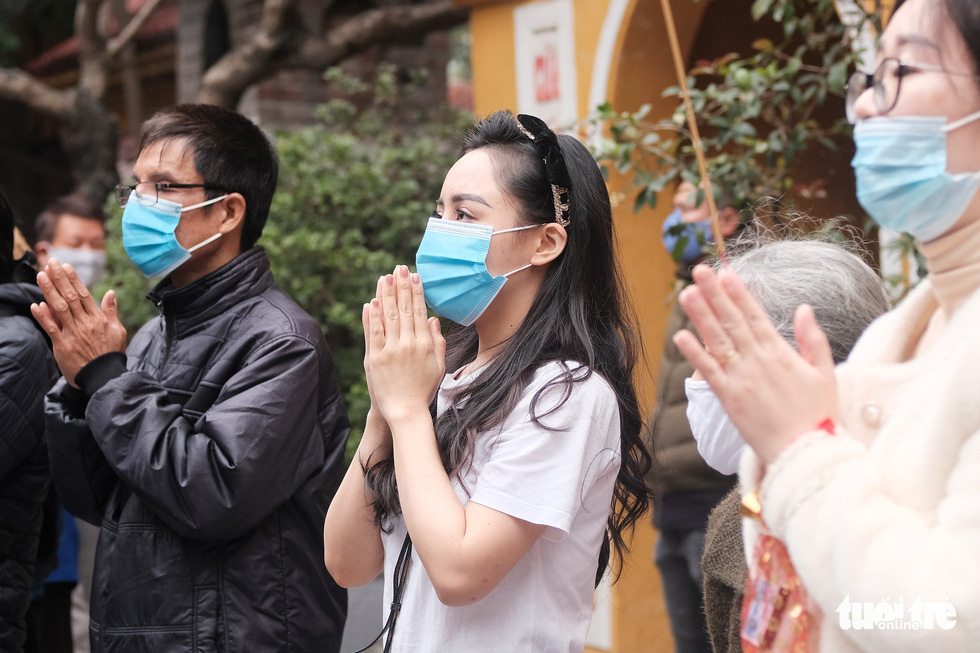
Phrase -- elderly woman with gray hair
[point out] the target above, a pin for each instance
(846, 296)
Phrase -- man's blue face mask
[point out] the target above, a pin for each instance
(451, 262)
(683, 239)
(148, 234)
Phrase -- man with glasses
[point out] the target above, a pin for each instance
(210, 449)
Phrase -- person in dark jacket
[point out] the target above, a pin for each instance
(27, 371)
(71, 229)
(210, 449)
(685, 487)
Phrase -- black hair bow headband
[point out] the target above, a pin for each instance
(546, 143)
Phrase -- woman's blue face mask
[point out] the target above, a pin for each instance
(902, 181)
(451, 263)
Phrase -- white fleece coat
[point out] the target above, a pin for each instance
(889, 509)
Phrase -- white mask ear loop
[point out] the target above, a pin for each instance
(503, 231)
(204, 242)
(519, 269)
(191, 250)
(962, 121)
(202, 204)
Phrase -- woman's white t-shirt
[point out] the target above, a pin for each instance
(561, 478)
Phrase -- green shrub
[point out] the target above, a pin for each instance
(756, 114)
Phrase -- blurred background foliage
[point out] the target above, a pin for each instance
(27, 27)
(757, 116)
(355, 191)
(755, 113)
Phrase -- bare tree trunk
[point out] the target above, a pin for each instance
(132, 90)
(90, 137)
(280, 44)
(89, 133)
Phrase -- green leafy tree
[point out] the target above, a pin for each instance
(756, 114)
(352, 202)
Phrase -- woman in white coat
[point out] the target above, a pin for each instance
(870, 473)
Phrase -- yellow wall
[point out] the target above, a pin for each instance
(493, 59)
(886, 5)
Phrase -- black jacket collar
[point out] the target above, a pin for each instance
(245, 276)
(18, 297)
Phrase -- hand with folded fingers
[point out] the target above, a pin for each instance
(772, 392)
(405, 358)
(79, 329)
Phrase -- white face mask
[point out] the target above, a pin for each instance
(719, 442)
(88, 263)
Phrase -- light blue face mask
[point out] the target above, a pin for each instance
(148, 235)
(902, 182)
(681, 238)
(451, 262)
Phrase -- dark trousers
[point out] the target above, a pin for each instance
(678, 556)
(49, 620)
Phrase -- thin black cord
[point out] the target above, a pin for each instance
(400, 575)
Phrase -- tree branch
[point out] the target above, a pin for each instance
(87, 29)
(273, 23)
(129, 32)
(19, 86)
(278, 47)
(91, 47)
(225, 81)
(376, 26)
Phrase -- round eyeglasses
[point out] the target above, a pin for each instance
(887, 83)
(151, 191)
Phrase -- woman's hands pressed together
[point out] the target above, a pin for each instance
(405, 357)
(771, 392)
(404, 363)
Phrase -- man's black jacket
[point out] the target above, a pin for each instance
(208, 454)
(27, 371)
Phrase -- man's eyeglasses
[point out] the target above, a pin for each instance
(151, 191)
(887, 83)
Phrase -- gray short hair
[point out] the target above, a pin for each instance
(845, 293)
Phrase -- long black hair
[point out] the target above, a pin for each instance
(580, 315)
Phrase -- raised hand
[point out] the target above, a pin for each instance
(405, 357)
(79, 330)
(771, 392)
